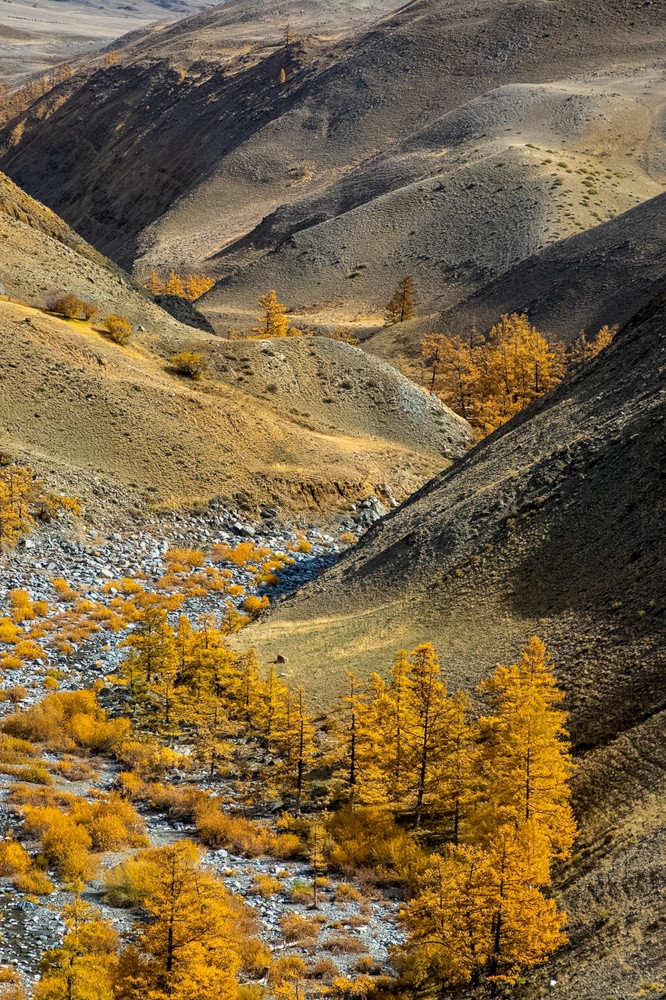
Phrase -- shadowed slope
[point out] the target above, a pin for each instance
(553, 526)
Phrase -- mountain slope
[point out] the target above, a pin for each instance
(299, 424)
(552, 526)
(486, 124)
(601, 276)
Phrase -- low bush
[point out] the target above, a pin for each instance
(70, 829)
(295, 927)
(301, 893)
(74, 770)
(287, 969)
(118, 328)
(148, 759)
(189, 364)
(369, 840)
(347, 894)
(234, 833)
(11, 984)
(326, 969)
(64, 720)
(344, 944)
(128, 884)
(71, 307)
(34, 883)
(14, 859)
(267, 886)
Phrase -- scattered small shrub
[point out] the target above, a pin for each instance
(301, 893)
(15, 694)
(71, 307)
(267, 886)
(188, 363)
(347, 894)
(34, 883)
(119, 329)
(74, 770)
(367, 966)
(326, 969)
(297, 928)
(344, 944)
(128, 884)
(234, 833)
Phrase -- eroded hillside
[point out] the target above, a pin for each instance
(498, 130)
(310, 423)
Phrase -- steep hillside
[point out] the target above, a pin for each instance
(548, 526)
(298, 424)
(496, 129)
(601, 276)
(553, 526)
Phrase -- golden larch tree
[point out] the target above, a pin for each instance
(400, 308)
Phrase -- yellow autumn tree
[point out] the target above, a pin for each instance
(583, 349)
(174, 285)
(400, 307)
(425, 730)
(187, 949)
(526, 750)
(25, 500)
(273, 320)
(482, 907)
(489, 380)
(458, 790)
(481, 911)
(83, 967)
(293, 744)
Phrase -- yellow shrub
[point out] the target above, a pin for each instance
(235, 833)
(74, 770)
(26, 649)
(14, 694)
(128, 884)
(149, 759)
(266, 885)
(9, 631)
(253, 604)
(64, 719)
(8, 662)
(14, 859)
(297, 928)
(347, 894)
(119, 329)
(130, 785)
(185, 557)
(66, 593)
(34, 882)
(188, 363)
(111, 823)
(65, 844)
